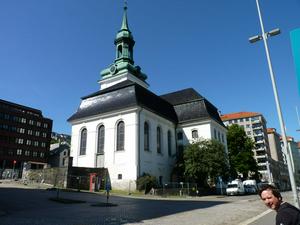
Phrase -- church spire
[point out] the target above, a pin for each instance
(124, 22)
(123, 67)
(124, 41)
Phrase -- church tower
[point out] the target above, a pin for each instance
(123, 67)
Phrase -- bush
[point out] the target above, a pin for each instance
(146, 182)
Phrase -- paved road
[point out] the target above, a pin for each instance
(26, 206)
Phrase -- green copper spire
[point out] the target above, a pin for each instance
(124, 22)
(124, 41)
(123, 64)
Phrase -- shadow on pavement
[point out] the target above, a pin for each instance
(32, 206)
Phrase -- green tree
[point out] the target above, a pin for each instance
(205, 159)
(240, 152)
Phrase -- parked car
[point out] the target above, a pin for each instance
(235, 187)
(250, 186)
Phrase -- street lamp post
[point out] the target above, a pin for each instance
(264, 36)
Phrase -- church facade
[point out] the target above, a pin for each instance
(130, 130)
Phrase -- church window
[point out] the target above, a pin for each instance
(158, 139)
(83, 138)
(119, 176)
(101, 135)
(194, 134)
(146, 136)
(119, 51)
(120, 136)
(179, 135)
(169, 143)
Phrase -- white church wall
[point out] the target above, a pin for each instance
(153, 163)
(120, 164)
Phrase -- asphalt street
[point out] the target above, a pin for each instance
(24, 205)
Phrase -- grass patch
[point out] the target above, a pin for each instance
(66, 200)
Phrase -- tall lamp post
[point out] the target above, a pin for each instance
(264, 36)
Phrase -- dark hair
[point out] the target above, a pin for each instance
(273, 189)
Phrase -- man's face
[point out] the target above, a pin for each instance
(270, 200)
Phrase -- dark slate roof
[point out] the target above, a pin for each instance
(123, 95)
(59, 149)
(191, 106)
(182, 96)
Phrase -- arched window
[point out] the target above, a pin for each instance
(146, 136)
(83, 137)
(169, 143)
(101, 135)
(119, 51)
(120, 136)
(195, 134)
(158, 139)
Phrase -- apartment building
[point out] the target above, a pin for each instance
(254, 125)
(278, 160)
(25, 136)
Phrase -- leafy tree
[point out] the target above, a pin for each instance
(205, 159)
(240, 152)
(146, 182)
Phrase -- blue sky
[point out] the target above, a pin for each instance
(52, 52)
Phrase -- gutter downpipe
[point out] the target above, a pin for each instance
(138, 129)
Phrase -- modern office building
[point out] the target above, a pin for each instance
(25, 136)
(254, 125)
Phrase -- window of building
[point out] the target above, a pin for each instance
(63, 161)
(28, 142)
(246, 119)
(83, 138)
(160, 180)
(146, 136)
(37, 133)
(119, 176)
(36, 143)
(219, 136)
(19, 151)
(27, 153)
(45, 125)
(180, 149)
(43, 144)
(29, 132)
(42, 154)
(34, 154)
(120, 136)
(195, 134)
(169, 143)
(158, 139)
(215, 133)
(23, 120)
(44, 134)
(38, 123)
(101, 137)
(223, 141)
(30, 122)
(19, 140)
(179, 135)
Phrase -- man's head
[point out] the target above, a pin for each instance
(271, 196)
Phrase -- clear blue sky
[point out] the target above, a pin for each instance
(52, 51)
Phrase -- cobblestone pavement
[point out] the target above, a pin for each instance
(25, 205)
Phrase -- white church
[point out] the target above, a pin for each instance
(129, 130)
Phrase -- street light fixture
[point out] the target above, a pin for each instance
(286, 150)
